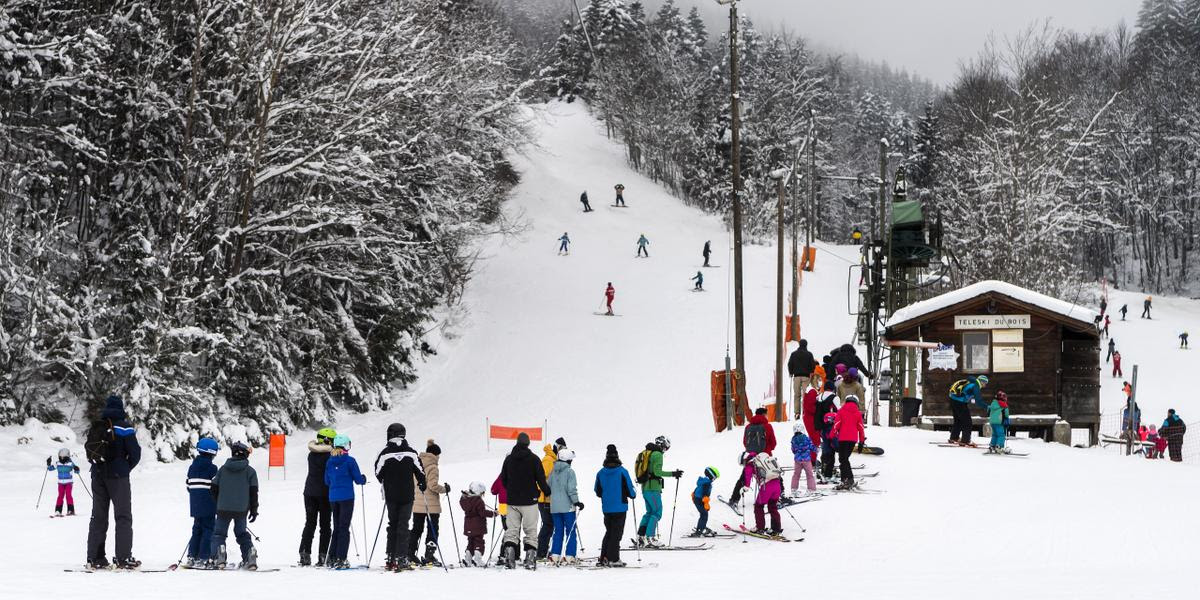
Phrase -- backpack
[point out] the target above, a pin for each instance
(98, 443)
(767, 468)
(756, 437)
(956, 388)
(641, 466)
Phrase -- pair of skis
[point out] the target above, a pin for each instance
(743, 530)
(635, 547)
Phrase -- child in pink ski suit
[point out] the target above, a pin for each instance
(761, 469)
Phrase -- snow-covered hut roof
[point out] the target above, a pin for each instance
(912, 312)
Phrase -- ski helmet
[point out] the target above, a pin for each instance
(239, 450)
(326, 434)
(207, 446)
(712, 473)
(663, 442)
(798, 427)
(982, 379)
(342, 441)
(396, 430)
(566, 455)
(63, 453)
(476, 488)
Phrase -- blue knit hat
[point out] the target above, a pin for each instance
(114, 408)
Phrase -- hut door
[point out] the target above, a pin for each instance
(1079, 379)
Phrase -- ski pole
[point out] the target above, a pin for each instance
(575, 533)
(378, 528)
(364, 520)
(42, 489)
(636, 547)
(251, 532)
(789, 513)
(354, 539)
(85, 488)
(492, 547)
(185, 549)
(674, 504)
(453, 527)
(433, 533)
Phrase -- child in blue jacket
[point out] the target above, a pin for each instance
(341, 474)
(66, 480)
(803, 452)
(200, 500)
(700, 498)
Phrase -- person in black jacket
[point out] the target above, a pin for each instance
(801, 365)
(847, 355)
(316, 499)
(522, 477)
(398, 469)
(113, 451)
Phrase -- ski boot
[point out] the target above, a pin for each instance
(845, 486)
(322, 559)
(775, 532)
(509, 557)
(654, 542)
(127, 564)
(305, 559)
(430, 559)
(531, 561)
(478, 560)
(100, 564)
(250, 561)
(389, 564)
(403, 564)
(615, 564)
(70, 510)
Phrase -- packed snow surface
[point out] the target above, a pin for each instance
(953, 523)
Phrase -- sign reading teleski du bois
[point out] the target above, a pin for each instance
(991, 321)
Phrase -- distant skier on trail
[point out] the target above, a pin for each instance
(1107, 322)
(1146, 305)
(609, 294)
(964, 392)
(1117, 372)
(1103, 305)
(699, 279)
(620, 200)
(1124, 309)
(1183, 337)
(707, 251)
(641, 244)
(583, 199)
(564, 246)
(1112, 347)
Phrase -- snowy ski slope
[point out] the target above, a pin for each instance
(1063, 523)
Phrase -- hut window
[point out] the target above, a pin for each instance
(976, 351)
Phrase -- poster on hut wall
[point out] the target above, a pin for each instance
(943, 357)
(1008, 359)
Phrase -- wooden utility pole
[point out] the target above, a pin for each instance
(881, 243)
(735, 114)
(779, 320)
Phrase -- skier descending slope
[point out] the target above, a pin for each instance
(706, 252)
(641, 246)
(620, 200)
(652, 477)
(398, 468)
(522, 477)
(609, 293)
(699, 279)
(583, 199)
(564, 245)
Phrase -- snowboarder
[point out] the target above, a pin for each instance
(1112, 347)
(652, 477)
(609, 293)
(113, 451)
(1124, 309)
(564, 508)
(707, 251)
(641, 244)
(1146, 308)
(620, 201)
(341, 475)
(1103, 304)
(701, 500)
(998, 419)
(66, 469)
(317, 510)
(1183, 337)
(615, 489)
(800, 367)
(398, 469)
(764, 470)
(583, 199)
(1116, 371)
(848, 430)
(699, 279)
(475, 516)
(1172, 430)
(428, 508)
(964, 392)
(564, 244)
(546, 529)
(235, 490)
(803, 453)
(202, 507)
(522, 477)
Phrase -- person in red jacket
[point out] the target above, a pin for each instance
(1117, 365)
(847, 431)
(609, 294)
(756, 427)
(808, 412)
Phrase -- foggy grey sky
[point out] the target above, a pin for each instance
(927, 37)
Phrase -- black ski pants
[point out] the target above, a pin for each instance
(418, 528)
(844, 450)
(116, 491)
(960, 429)
(546, 530)
(614, 530)
(738, 486)
(317, 511)
(399, 512)
(827, 452)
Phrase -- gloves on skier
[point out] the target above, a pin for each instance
(578, 506)
(47, 461)
(677, 474)
(253, 516)
(704, 500)
(447, 486)
(76, 468)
